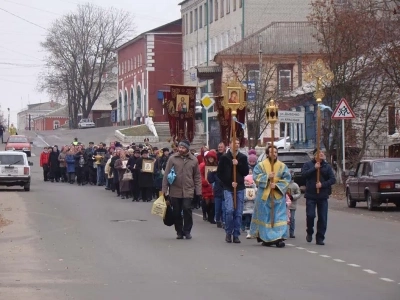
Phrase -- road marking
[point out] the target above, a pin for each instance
(386, 279)
(197, 215)
(354, 265)
(290, 245)
(313, 252)
(300, 248)
(338, 260)
(40, 138)
(323, 255)
(370, 271)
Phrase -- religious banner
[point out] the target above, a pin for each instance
(232, 94)
(180, 104)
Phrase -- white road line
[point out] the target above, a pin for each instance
(354, 265)
(338, 260)
(313, 252)
(325, 256)
(40, 138)
(197, 215)
(300, 248)
(370, 271)
(386, 279)
(290, 245)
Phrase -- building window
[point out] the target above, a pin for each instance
(186, 24)
(211, 11)
(196, 20)
(195, 56)
(222, 8)
(285, 78)
(56, 124)
(129, 65)
(240, 3)
(134, 62)
(183, 25)
(216, 10)
(234, 5)
(119, 69)
(201, 16)
(141, 60)
(191, 22)
(228, 6)
(216, 45)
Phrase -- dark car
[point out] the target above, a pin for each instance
(294, 160)
(375, 181)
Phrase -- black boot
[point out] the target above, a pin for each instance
(211, 213)
(204, 209)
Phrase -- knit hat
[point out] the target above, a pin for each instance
(185, 143)
(252, 158)
(249, 178)
(252, 151)
(165, 150)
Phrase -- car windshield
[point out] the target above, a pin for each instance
(386, 168)
(15, 159)
(86, 121)
(18, 139)
(294, 157)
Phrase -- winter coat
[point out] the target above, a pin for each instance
(61, 159)
(124, 186)
(54, 164)
(327, 179)
(70, 161)
(294, 194)
(44, 159)
(218, 188)
(249, 199)
(225, 170)
(146, 179)
(206, 187)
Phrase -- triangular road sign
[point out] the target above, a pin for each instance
(343, 111)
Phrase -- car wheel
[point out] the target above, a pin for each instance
(27, 187)
(370, 205)
(350, 202)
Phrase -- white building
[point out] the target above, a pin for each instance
(210, 26)
(33, 111)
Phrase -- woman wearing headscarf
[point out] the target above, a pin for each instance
(54, 165)
(120, 166)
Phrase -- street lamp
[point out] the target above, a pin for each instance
(8, 119)
(319, 72)
(271, 115)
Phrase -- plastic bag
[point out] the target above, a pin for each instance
(159, 207)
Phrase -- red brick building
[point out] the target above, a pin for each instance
(52, 120)
(145, 65)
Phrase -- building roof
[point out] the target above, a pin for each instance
(278, 38)
(183, 2)
(157, 29)
(103, 103)
(60, 112)
(49, 106)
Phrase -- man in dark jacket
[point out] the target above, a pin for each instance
(233, 216)
(317, 194)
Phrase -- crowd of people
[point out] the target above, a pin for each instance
(234, 191)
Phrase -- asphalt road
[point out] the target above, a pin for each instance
(71, 242)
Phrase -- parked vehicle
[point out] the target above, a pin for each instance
(198, 110)
(15, 169)
(280, 144)
(19, 143)
(294, 160)
(86, 123)
(375, 181)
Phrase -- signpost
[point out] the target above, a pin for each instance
(343, 112)
(290, 116)
(207, 102)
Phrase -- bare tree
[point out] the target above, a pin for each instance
(80, 49)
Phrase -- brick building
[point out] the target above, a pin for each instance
(52, 120)
(145, 65)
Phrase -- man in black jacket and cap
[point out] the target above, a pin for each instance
(233, 216)
(317, 194)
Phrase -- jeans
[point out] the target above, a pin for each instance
(246, 220)
(219, 209)
(292, 222)
(233, 217)
(182, 226)
(322, 210)
(100, 175)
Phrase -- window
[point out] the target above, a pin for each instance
(211, 11)
(196, 20)
(205, 51)
(360, 169)
(195, 56)
(216, 45)
(234, 5)
(186, 24)
(119, 69)
(134, 62)
(191, 22)
(18, 139)
(285, 77)
(183, 25)
(129, 65)
(201, 16)
(222, 8)
(14, 159)
(240, 3)
(216, 10)
(228, 6)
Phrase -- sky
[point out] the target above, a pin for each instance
(21, 56)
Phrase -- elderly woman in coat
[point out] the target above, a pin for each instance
(120, 166)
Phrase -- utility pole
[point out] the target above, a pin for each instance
(8, 119)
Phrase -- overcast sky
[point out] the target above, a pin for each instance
(21, 57)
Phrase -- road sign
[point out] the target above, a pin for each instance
(290, 116)
(207, 101)
(343, 111)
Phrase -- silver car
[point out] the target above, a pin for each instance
(86, 123)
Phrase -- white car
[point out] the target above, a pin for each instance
(86, 123)
(15, 169)
(281, 144)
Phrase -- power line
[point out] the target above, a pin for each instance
(14, 51)
(39, 9)
(37, 25)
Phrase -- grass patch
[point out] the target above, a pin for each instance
(140, 130)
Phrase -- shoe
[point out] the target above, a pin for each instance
(188, 236)
(236, 240)
(321, 243)
(219, 225)
(309, 238)
(292, 236)
(248, 236)
(228, 238)
(179, 237)
(123, 197)
(212, 222)
(280, 244)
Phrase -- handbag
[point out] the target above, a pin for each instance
(127, 176)
(171, 176)
(169, 216)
